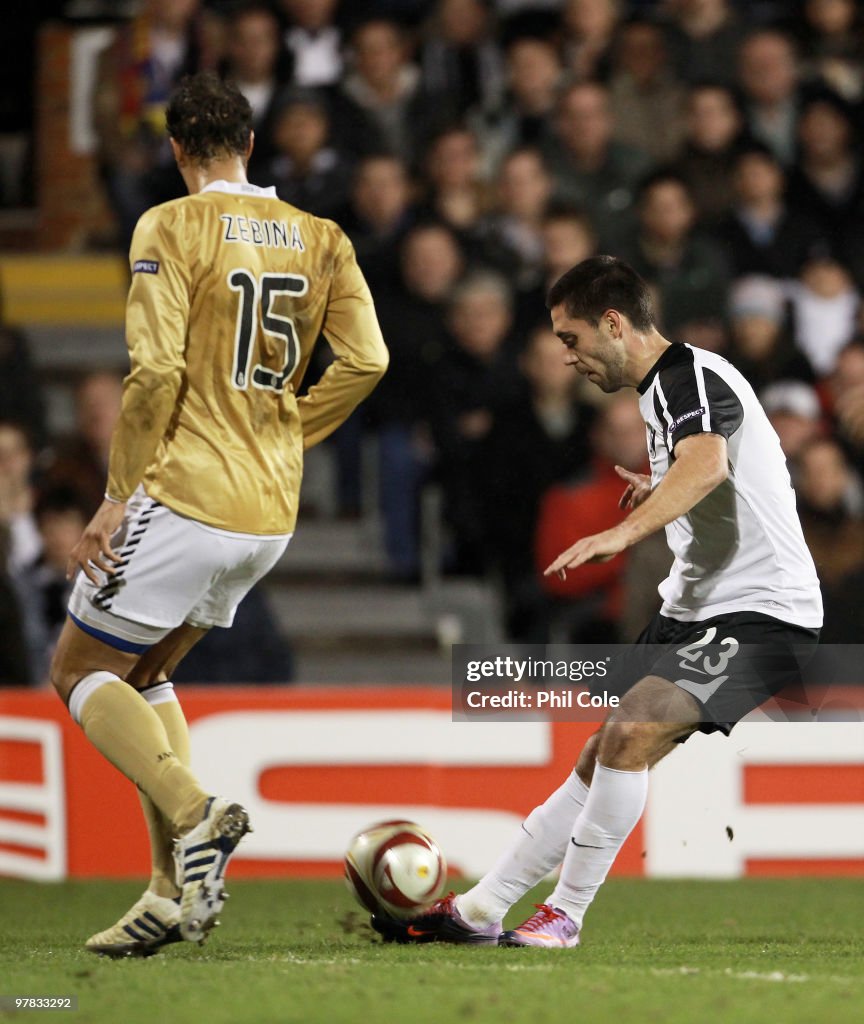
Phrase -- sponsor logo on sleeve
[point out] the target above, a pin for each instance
(687, 416)
(145, 267)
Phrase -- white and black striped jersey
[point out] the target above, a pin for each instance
(741, 548)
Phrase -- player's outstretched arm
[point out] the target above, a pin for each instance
(351, 328)
(701, 464)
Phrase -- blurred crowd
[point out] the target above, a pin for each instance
(474, 150)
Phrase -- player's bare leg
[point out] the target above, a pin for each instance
(154, 920)
(90, 676)
(126, 728)
(654, 716)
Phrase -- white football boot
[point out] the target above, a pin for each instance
(153, 922)
(201, 857)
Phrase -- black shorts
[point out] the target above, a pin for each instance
(730, 663)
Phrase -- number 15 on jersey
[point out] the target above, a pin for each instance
(258, 295)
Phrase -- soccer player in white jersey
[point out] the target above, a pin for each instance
(230, 291)
(741, 607)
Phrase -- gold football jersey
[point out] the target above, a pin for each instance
(230, 290)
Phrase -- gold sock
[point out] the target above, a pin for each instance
(120, 723)
(162, 877)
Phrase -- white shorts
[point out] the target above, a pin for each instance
(173, 570)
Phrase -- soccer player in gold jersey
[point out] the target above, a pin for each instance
(230, 290)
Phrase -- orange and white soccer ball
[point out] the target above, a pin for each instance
(395, 868)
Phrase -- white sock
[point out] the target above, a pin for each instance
(84, 688)
(538, 848)
(160, 693)
(614, 805)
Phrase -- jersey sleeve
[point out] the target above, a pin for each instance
(360, 355)
(157, 317)
(694, 399)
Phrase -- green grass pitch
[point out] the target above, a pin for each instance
(767, 951)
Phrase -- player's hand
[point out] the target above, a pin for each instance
(94, 550)
(599, 548)
(637, 490)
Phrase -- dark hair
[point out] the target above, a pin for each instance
(245, 8)
(395, 25)
(558, 211)
(661, 176)
(209, 118)
(825, 97)
(59, 499)
(715, 85)
(525, 149)
(24, 429)
(754, 148)
(775, 32)
(600, 283)
(296, 96)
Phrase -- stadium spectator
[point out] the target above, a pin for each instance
(588, 28)
(832, 46)
(379, 214)
(827, 182)
(14, 665)
(533, 76)
(688, 271)
(81, 462)
(794, 412)
(704, 36)
(134, 77)
(538, 438)
(713, 128)
(383, 103)
(460, 57)
(21, 387)
(471, 382)
(513, 232)
(845, 394)
(21, 543)
(648, 564)
(646, 100)
(313, 41)
(760, 343)
(825, 306)
(252, 62)
(376, 220)
(762, 234)
(830, 504)
(568, 237)
(306, 168)
(588, 602)
(456, 193)
(768, 76)
(852, 246)
(413, 320)
(45, 589)
(590, 168)
(252, 651)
